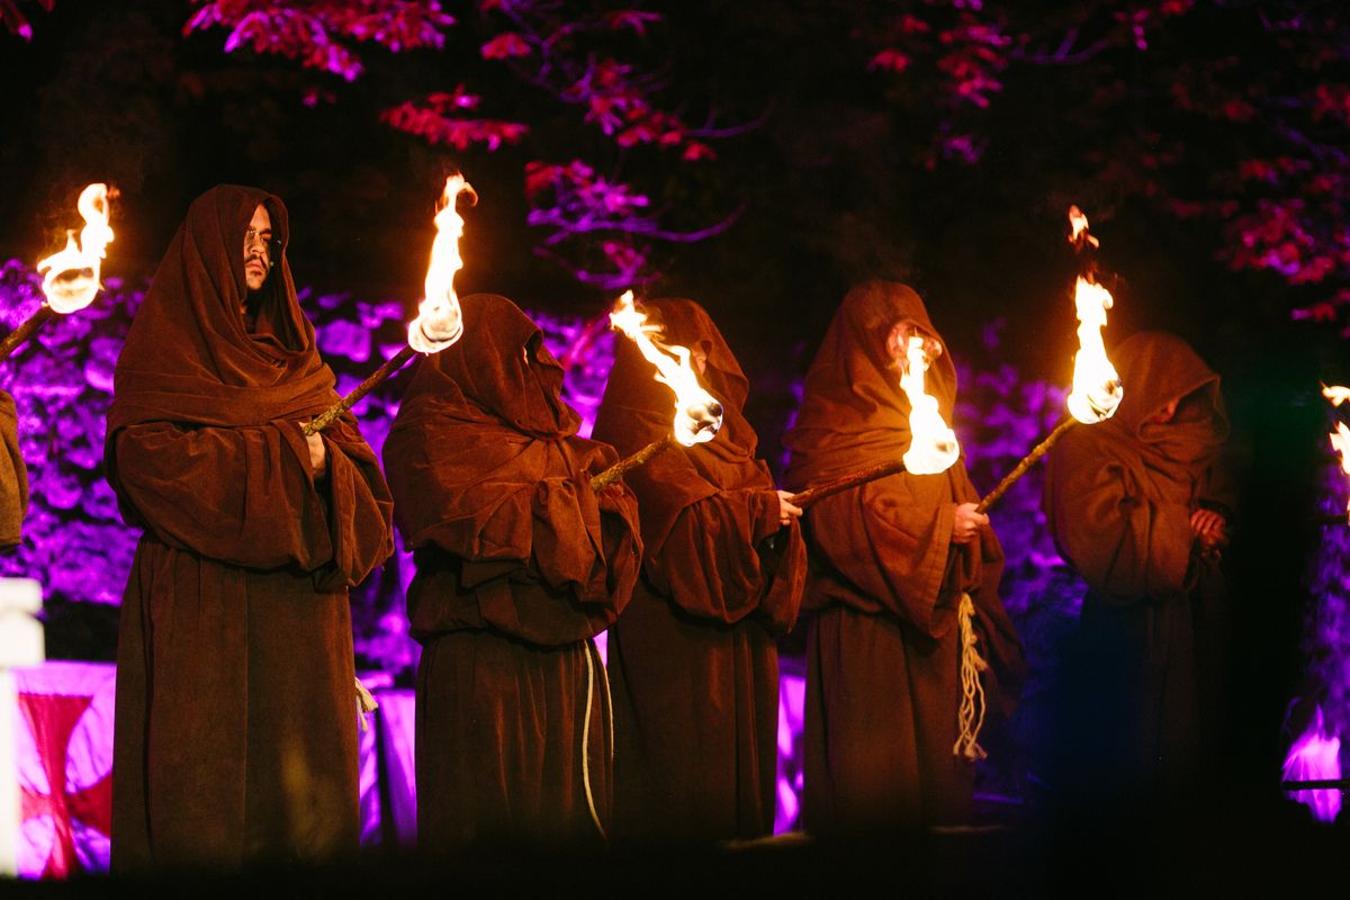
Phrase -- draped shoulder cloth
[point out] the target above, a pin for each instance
(491, 478)
(1119, 495)
(707, 509)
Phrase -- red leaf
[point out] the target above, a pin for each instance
(891, 60)
(696, 150)
(506, 45)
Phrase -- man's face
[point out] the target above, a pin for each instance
(258, 249)
(897, 343)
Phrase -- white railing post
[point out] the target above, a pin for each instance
(21, 644)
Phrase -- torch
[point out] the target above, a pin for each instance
(698, 414)
(440, 321)
(70, 278)
(1097, 390)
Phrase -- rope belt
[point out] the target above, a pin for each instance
(586, 728)
(970, 717)
(365, 703)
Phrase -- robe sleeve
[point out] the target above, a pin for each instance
(1127, 546)
(247, 496)
(573, 532)
(13, 475)
(570, 581)
(889, 540)
(358, 505)
(555, 531)
(708, 564)
(621, 542)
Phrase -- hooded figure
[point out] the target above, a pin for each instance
(1138, 504)
(13, 475)
(236, 723)
(893, 597)
(694, 659)
(519, 564)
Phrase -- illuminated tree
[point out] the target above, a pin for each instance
(599, 227)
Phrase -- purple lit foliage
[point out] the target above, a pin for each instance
(438, 118)
(1320, 720)
(74, 541)
(1327, 644)
(15, 21)
(1000, 416)
(1265, 82)
(597, 227)
(1315, 755)
(321, 35)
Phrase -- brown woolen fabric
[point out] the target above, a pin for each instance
(693, 659)
(1119, 494)
(702, 555)
(879, 746)
(13, 475)
(503, 746)
(190, 357)
(487, 471)
(1146, 683)
(235, 731)
(519, 563)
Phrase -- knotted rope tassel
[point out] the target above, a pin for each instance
(586, 731)
(365, 704)
(970, 717)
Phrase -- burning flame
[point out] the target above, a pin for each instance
(70, 277)
(932, 445)
(1078, 228)
(440, 321)
(1340, 442)
(1316, 756)
(1096, 385)
(1340, 438)
(698, 415)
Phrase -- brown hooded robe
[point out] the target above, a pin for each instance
(236, 720)
(519, 564)
(1119, 496)
(693, 659)
(883, 655)
(13, 475)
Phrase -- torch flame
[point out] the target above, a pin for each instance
(70, 279)
(1340, 442)
(440, 321)
(932, 445)
(1096, 385)
(1336, 393)
(1078, 229)
(698, 415)
(1316, 756)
